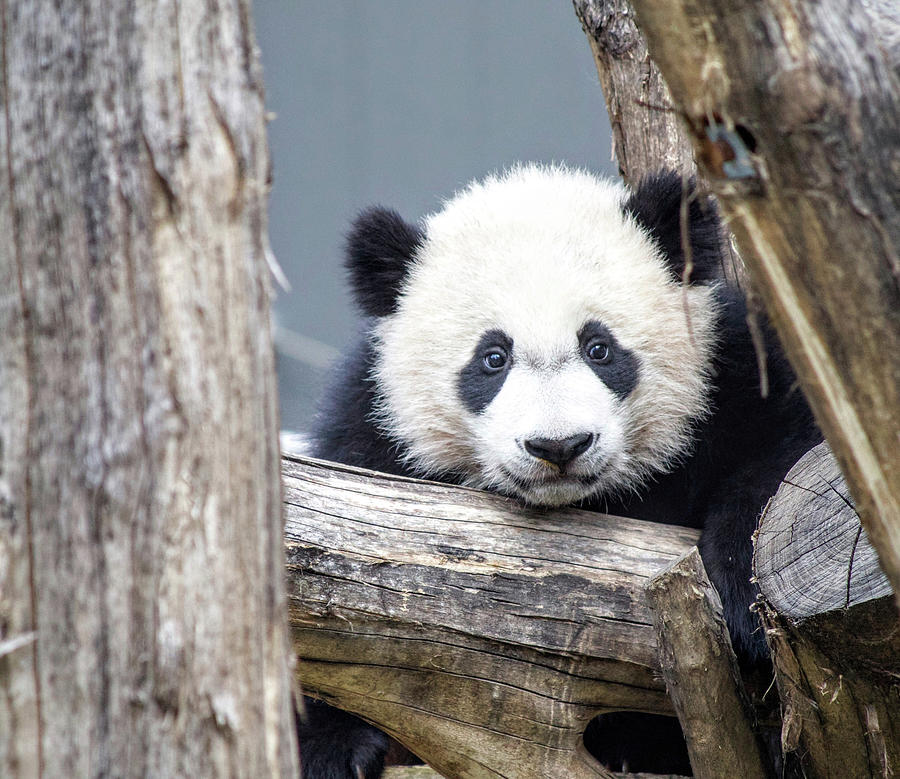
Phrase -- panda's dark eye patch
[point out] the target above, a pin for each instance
(481, 378)
(617, 367)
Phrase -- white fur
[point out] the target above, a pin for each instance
(555, 402)
(537, 253)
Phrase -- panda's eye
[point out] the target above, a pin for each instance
(494, 359)
(599, 352)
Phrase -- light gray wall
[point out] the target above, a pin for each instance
(401, 102)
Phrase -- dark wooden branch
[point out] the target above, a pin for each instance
(482, 635)
(701, 673)
(795, 121)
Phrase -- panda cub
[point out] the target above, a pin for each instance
(542, 336)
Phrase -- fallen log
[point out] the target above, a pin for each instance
(482, 635)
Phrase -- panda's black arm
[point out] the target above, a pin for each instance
(731, 516)
(334, 744)
(750, 444)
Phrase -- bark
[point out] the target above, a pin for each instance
(701, 673)
(483, 636)
(141, 599)
(794, 110)
(647, 132)
(837, 677)
(831, 625)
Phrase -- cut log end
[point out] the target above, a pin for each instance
(811, 553)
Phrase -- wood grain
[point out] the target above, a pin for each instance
(481, 634)
(140, 525)
(647, 132)
(701, 673)
(811, 553)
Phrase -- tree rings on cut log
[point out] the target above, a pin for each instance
(811, 553)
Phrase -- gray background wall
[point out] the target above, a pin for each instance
(401, 102)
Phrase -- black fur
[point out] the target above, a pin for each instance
(656, 205)
(477, 385)
(622, 371)
(350, 397)
(742, 452)
(337, 745)
(380, 249)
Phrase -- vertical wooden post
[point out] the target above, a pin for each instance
(701, 672)
(142, 624)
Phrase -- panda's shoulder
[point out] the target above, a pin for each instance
(344, 428)
(761, 422)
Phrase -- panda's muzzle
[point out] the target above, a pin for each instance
(559, 452)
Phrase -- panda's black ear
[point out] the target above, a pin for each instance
(656, 205)
(380, 248)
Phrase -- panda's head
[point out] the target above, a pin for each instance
(536, 336)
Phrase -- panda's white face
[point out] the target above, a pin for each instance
(539, 345)
(552, 433)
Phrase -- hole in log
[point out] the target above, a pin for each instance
(638, 743)
(726, 151)
(746, 136)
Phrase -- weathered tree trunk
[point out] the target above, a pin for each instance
(794, 110)
(647, 131)
(832, 626)
(481, 635)
(141, 599)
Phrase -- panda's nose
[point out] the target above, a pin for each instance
(559, 451)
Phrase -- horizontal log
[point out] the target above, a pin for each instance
(481, 634)
(485, 635)
(811, 553)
